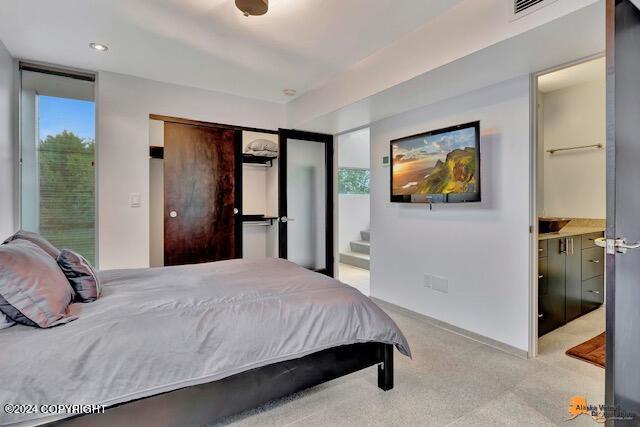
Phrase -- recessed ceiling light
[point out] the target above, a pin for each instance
(290, 92)
(99, 47)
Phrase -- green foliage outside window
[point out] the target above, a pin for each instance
(67, 192)
(353, 181)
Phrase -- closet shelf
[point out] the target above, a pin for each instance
(258, 160)
(259, 219)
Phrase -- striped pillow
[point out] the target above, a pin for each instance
(5, 322)
(81, 275)
(37, 240)
(33, 290)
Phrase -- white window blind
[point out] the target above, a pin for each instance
(58, 160)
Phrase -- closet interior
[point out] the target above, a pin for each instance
(259, 194)
(219, 192)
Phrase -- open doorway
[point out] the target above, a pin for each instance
(571, 212)
(354, 209)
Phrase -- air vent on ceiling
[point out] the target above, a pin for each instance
(525, 7)
(522, 5)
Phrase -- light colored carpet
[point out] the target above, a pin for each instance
(451, 380)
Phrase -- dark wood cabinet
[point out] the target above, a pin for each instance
(542, 248)
(570, 279)
(592, 293)
(543, 295)
(592, 263)
(589, 240)
(553, 303)
(573, 277)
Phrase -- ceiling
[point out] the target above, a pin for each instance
(209, 44)
(584, 72)
(577, 34)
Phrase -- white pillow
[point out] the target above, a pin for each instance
(262, 145)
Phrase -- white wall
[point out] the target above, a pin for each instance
(7, 93)
(156, 197)
(482, 249)
(123, 107)
(354, 217)
(540, 155)
(353, 149)
(156, 213)
(353, 209)
(575, 181)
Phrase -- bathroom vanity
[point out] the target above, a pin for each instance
(570, 276)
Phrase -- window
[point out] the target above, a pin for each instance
(57, 160)
(353, 181)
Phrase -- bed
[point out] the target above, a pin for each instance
(193, 344)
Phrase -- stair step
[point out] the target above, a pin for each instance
(355, 259)
(361, 246)
(366, 235)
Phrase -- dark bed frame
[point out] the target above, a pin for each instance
(210, 403)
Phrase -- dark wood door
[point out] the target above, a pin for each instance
(200, 194)
(623, 205)
(306, 199)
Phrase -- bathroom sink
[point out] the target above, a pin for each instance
(552, 225)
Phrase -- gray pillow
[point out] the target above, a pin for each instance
(81, 275)
(33, 289)
(37, 240)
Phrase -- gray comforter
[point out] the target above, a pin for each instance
(160, 329)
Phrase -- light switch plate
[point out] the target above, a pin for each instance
(134, 200)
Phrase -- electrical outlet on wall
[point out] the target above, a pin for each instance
(427, 281)
(440, 284)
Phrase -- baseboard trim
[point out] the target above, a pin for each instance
(514, 351)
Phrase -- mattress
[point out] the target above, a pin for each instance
(160, 329)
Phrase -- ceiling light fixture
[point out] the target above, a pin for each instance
(253, 7)
(99, 47)
(290, 92)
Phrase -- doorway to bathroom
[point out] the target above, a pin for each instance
(571, 206)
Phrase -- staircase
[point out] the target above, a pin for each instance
(359, 254)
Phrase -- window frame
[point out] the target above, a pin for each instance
(69, 72)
